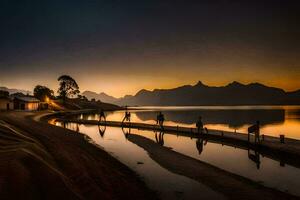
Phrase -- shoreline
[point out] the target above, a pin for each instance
(55, 140)
(61, 164)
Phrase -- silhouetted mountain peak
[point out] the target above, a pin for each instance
(235, 84)
(104, 94)
(200, 84)
(257, 85)
(101, 96)
(142, 92)
(234, 93)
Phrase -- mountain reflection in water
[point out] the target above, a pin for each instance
(274, 120)
(234, 118)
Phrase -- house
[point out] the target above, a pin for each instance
(26, 103)
(6, 103)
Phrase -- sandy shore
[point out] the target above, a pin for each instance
(230, 185)
(41, 161)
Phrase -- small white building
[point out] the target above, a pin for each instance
(6, 103)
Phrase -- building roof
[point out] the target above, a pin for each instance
(5, 98)
(28, 99)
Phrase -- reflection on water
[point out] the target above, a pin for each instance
(274, 120)
(169, 185)
(159, 137)
(247, 163)
(255, 157)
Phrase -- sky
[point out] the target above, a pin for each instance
(120, 47)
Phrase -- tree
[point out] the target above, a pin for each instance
(67, 87)
(84, 98)
(42, 93)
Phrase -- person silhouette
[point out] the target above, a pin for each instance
(199, 125)
(102, 115)
(160, 119)
(126, 116)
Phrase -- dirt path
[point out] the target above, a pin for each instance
(41, 161)
(230, 185)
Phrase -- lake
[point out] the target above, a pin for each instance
(266, 171)
(252, 165)
(274, 120)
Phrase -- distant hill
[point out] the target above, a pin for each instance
(12, 91)
(234, 93)
(101, 96)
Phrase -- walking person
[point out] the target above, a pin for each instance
(160, 120)
(102, 116)
(199, 125)
(126, 116)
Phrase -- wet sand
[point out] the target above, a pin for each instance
(41, 161)
(230, 185)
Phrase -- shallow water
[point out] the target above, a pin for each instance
(274, 120)
(268, 172)
(167, 184)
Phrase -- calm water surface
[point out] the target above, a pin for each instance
(274, 120)
(264, 170)
(167, 184)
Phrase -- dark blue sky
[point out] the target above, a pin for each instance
(149, 44)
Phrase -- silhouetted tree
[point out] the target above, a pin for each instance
(67, 87)
(4, 93)
(84, 98)
(42, 92)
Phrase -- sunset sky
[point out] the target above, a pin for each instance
(120, 47)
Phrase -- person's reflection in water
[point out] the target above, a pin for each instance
(126, 131)
(159, 138)
(102, 130)
(255, 157)
(199, 144)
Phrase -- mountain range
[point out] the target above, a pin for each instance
(234, 93)
(101, 96)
